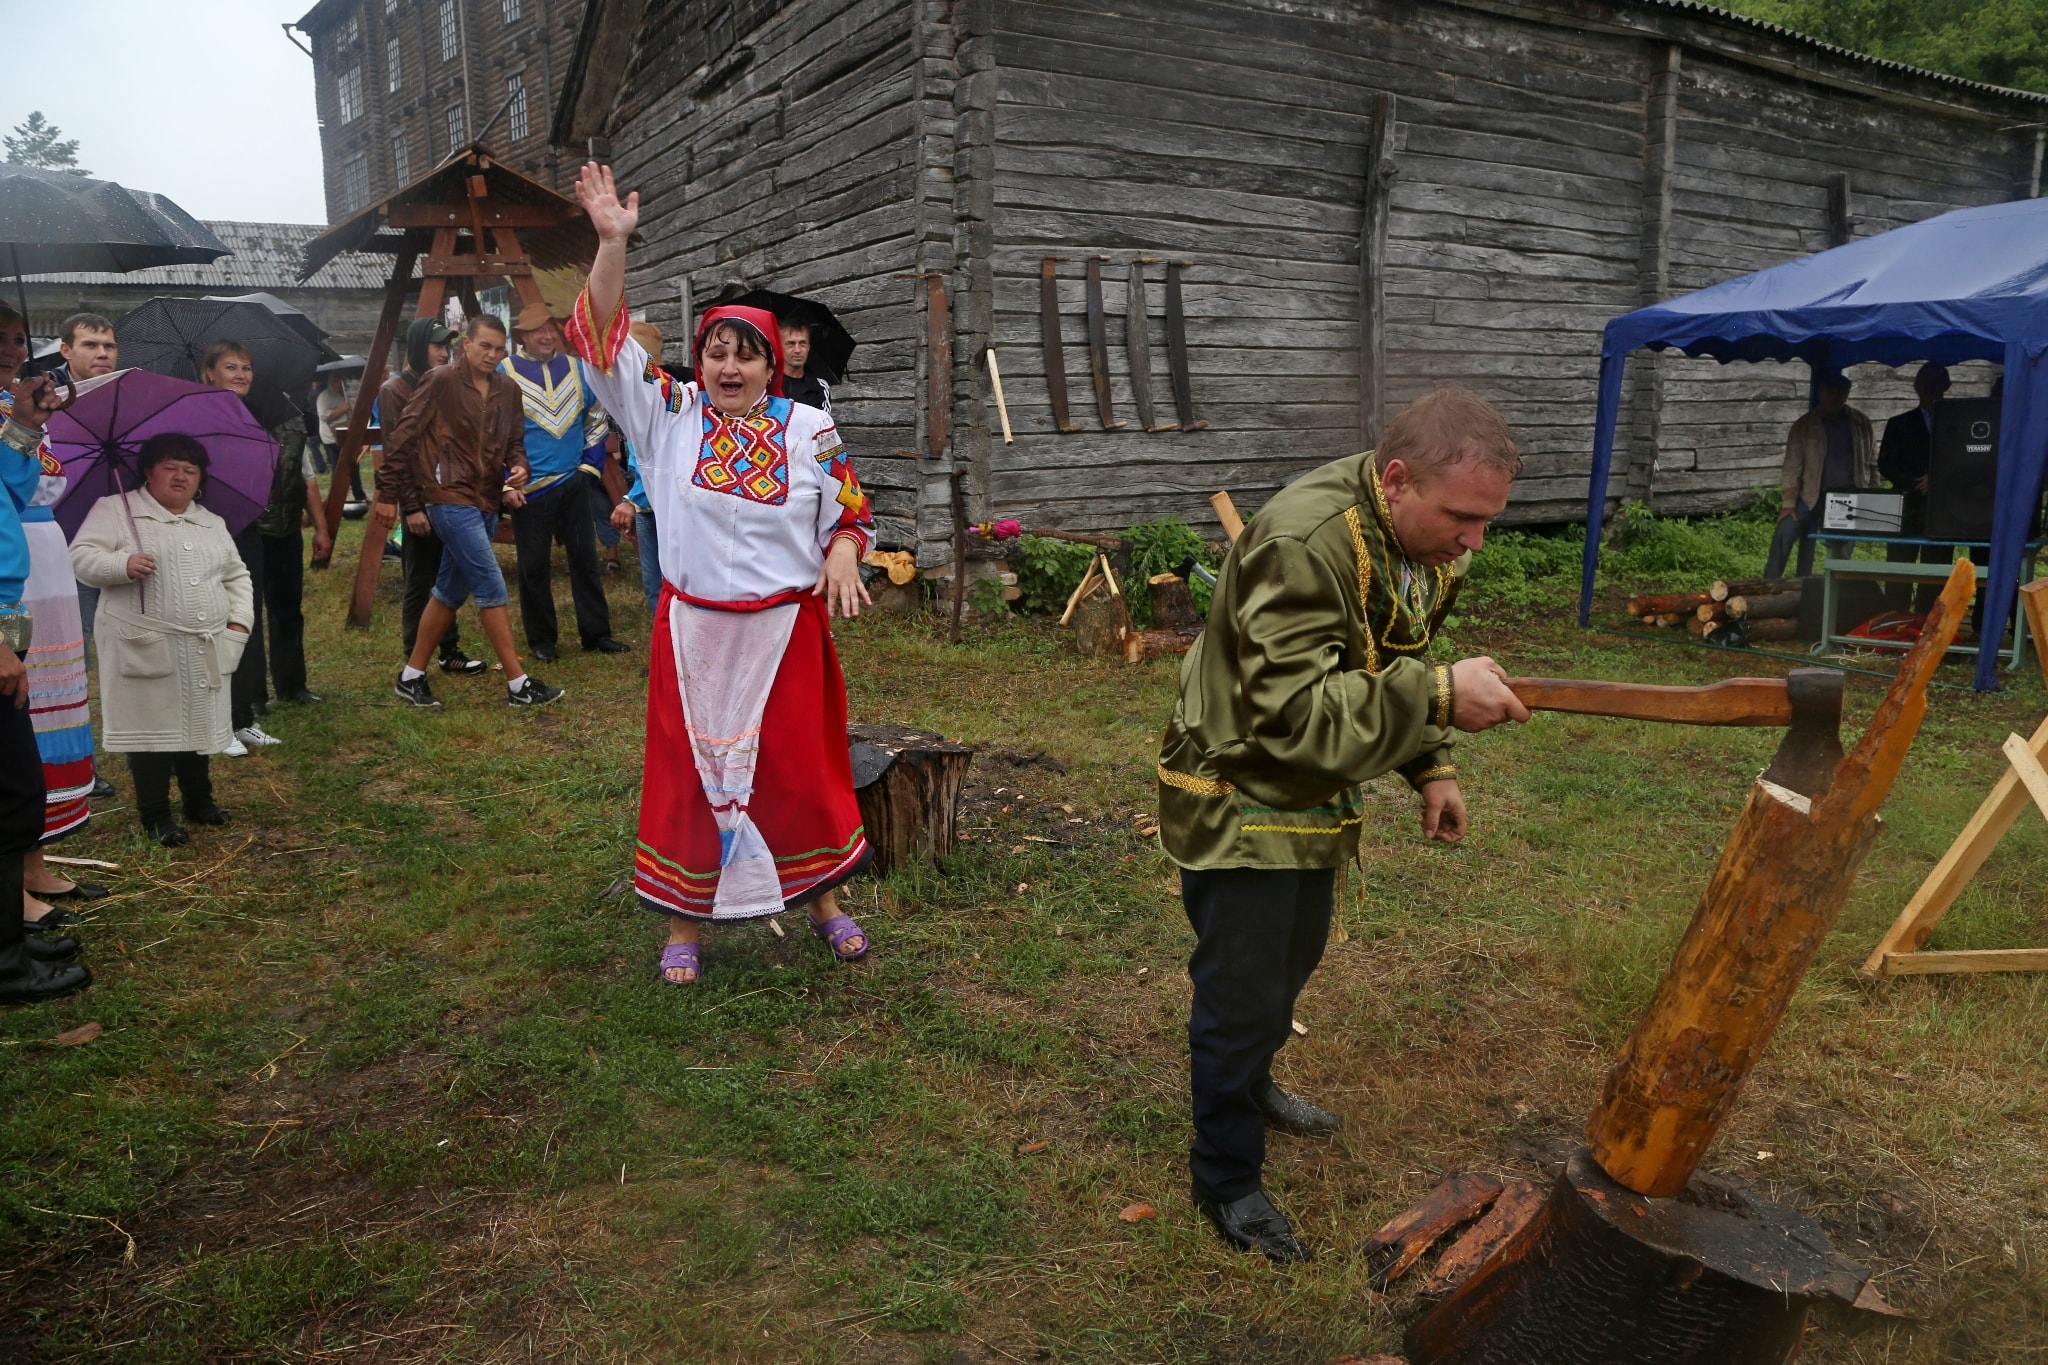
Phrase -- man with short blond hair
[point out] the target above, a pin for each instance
(1312, 678)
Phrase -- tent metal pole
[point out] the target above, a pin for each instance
(1613, 363)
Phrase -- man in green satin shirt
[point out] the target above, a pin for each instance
(1312, 678)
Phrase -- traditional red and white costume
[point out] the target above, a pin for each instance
(747, 802)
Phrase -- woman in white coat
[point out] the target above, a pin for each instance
(174, 615)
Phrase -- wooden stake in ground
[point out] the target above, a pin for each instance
(1899, 953)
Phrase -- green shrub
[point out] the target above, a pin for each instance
(1048, 571)
(1162, 547)
(1540, 565)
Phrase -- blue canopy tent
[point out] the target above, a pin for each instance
(1968, 285)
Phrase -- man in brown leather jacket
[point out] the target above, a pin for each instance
(426, 348)
(456, 459)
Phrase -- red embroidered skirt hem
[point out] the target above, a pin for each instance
(803, 800)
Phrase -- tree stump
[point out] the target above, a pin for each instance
(908, 785)
(1603, 1275)
(1173, 605)
(1101, 622)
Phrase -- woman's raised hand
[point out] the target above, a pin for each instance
(614, 219)
(839, 580)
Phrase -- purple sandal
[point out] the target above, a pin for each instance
(681, 956)
(836, 931)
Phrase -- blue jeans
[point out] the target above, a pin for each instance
(468, 565)
(650, 557)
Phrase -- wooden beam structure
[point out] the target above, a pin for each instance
(459, 224)
(1899, 952)
(1372, 273)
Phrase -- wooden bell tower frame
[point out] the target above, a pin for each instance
(460, 223)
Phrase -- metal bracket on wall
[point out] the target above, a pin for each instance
(1049, 335)
(1098, 347)
(1177, 349)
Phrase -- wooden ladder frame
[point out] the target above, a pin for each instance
(1899, 952)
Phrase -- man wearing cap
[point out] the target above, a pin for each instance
(426, 347)
(565, 431)
(1831, 449)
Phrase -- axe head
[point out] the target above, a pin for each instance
(1806, 759)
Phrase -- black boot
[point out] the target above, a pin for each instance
(1293, 1115)
(1253, 1224)
(27, 979)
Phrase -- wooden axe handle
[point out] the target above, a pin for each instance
(1738, 701)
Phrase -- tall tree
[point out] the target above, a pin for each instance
(40, 143)
(2004, 42)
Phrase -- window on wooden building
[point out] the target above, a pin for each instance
(355, 182)
(458, 127)
(401, 160)
(348, 33)
(511, 8)
(348, 94)
(392, 77)
(450, 39)
(390, 8)
(515, 107)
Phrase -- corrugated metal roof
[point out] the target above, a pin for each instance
(263, 256)
(1727, 16)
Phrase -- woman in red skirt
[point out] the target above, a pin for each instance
(747, 803)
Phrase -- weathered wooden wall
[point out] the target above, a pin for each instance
(1754, 155)
(1528, 154)
(785, 158)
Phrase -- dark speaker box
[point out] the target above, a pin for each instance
(1962, 473)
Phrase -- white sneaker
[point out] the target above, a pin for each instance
(255, 738)
(236, 749)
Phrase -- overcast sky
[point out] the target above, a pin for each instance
(206, 101)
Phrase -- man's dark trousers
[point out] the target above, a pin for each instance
(562, 510)
(21, 822)
(284, 591)
(420, 554)
(249, 688)
(1259, 934)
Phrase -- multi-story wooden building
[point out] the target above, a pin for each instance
(1370, 196)
(400, 84)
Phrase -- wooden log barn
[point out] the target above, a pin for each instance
(1357, 199)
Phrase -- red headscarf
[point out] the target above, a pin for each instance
(760, 319)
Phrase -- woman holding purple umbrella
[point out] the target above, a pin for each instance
(175, 609)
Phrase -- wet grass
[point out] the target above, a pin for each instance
(387, 1071)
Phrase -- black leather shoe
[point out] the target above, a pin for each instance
(102, 790)
(206, 815)
(1294, 1115)
(80, 891)
(169, 833)
(60, 949)
(305, 696)
(546, 654)
(56, 917)
(608, 646)
(1253, 1224)
(35, 981)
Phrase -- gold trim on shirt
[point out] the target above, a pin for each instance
(1364, 557)
(1342, 824)
(1439, 772)
(1200, 786)
(1443, 695)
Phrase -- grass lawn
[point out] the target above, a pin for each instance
(388, 1073)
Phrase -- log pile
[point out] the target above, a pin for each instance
(1633, 1256)
(1733, 612)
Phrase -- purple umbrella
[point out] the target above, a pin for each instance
(99, 437)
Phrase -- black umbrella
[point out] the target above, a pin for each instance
(831, 344)
(298, 319)
(52, 222)
(348, 364)
(170, 336)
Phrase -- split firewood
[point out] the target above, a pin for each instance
(1711, 611)
(1669, 619)
(1402, 1240)
(1699, 628)
(1140, 645)
(1510, 1213)
(1725, 588)
(1649, 620)
(1657, 604)
(1764, 605)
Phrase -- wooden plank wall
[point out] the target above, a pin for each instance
(1232, 135)
(1754, 157)
(789, 161)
